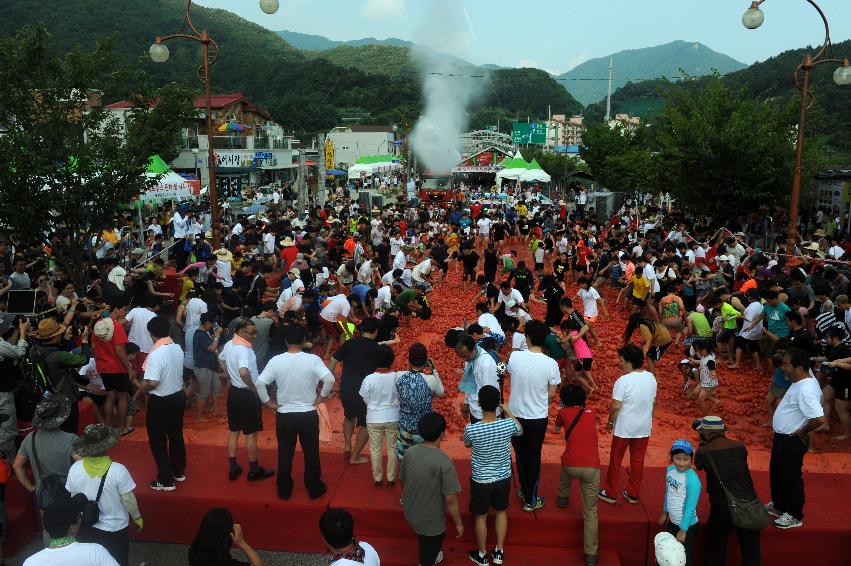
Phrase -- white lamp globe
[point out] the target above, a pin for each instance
(842, 75)
(753, 18)
(159, 53)
(269, 6)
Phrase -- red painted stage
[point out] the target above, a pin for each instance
(553, 537)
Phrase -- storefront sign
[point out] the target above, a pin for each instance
(243, 159)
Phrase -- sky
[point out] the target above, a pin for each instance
(557, 35)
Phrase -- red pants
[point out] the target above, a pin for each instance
(637, 450)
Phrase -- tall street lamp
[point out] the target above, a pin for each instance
(752, 19)
(159, 54)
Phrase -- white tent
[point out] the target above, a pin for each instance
(534, 174)
(169, 186)
(356, 170)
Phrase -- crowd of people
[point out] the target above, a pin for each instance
(266, 318)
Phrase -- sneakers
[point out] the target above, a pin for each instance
(234, 473)
(787, 521)
(772, 510)
(157, 485)
(497, 555)
(179, 478)
(633, 500)
(480, 559)
(606, 497)
(539, 502)
(439, 557)
(259, 474)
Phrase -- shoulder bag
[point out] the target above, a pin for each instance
(748, 514)
(51, 487)
(574, 423)
(91, 513)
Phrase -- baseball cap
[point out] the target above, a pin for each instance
(682, 445)
(668, 550)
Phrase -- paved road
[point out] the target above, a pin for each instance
(158, 554)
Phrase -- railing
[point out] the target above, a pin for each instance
(261, 142)
(230, 142)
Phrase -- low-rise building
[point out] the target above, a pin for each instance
(354, 141)
(250, 148)
(564, 132)
(626, 121)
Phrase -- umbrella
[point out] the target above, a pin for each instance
(231, 127)
(255, 208)
(334, 172)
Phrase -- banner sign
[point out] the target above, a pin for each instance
(242, 158)
(534, 133)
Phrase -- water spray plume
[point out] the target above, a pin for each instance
(435, 138)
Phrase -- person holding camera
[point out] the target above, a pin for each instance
(13, 346)
(110, 486)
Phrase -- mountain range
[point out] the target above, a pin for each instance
(588, 82)
(311, 42)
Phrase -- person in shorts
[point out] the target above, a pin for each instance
(490, 483)
(204, 347)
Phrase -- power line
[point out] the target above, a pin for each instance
(561, 78)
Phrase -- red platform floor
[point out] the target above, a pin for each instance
(553, 537)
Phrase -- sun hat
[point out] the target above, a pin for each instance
(138, 251)
(683, 445)
(710, 423)
(722, 258)
(820, 233)
(295, 271)
(812, 246)
(104, 329)
(223, 254)
(96, 439)
(668, 550)
(49, 328)
(287, 242)
(208, 234)
(51, 412)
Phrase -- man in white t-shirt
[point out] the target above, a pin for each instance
(590, 299)
(484, 224)
(290, 298)
(799, 413)
(62, 520)
(269, 242)
(479, 370)
(534, 379)
(631, 420)
(749, 336)
(338, 531)
(511, 299)
(835, 251)
(335, 317)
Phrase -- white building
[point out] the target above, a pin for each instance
(352, 142)
(629, 123)
(564, 132)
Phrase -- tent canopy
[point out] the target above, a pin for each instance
(373, 159)
(157, 166)
(534, 173)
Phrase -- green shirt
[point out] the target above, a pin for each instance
(405, 297)
(730, 315)
(553, 347)
(701, 325)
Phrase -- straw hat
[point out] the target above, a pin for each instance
(223, 254)
(49, 328)
(812, 246)
(96, 439)
(51, 412)
(208, 235)
(287, 242)
(820, 233)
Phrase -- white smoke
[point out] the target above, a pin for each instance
(447, 87)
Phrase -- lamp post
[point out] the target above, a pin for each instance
(195, 152)
(752, 19)
(159, 54)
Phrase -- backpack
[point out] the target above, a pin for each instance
(33, 385)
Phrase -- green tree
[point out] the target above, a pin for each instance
(67, 163)
(720, 153)
(618, 157)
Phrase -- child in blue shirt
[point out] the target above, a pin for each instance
(682, 491)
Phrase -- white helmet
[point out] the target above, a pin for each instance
(669, 551)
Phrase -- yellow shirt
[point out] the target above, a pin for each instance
(186, 285)
(640, 286)
(522, 210)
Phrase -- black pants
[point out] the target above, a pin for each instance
(490, 274)
(527, 450)
(165, 434)
(786, 470)
(116, 543)
(429, 548)
(181, 254)
(691, 538)
(469, 274)
(303, 427)
(718, 528)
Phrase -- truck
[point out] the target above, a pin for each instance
(436, 190)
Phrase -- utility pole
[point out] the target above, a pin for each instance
(302, 182)
(609, 97)
(320, 173)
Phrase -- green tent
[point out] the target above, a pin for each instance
(534, 165)
(157, 166)
(505, 161)
(372, 159)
